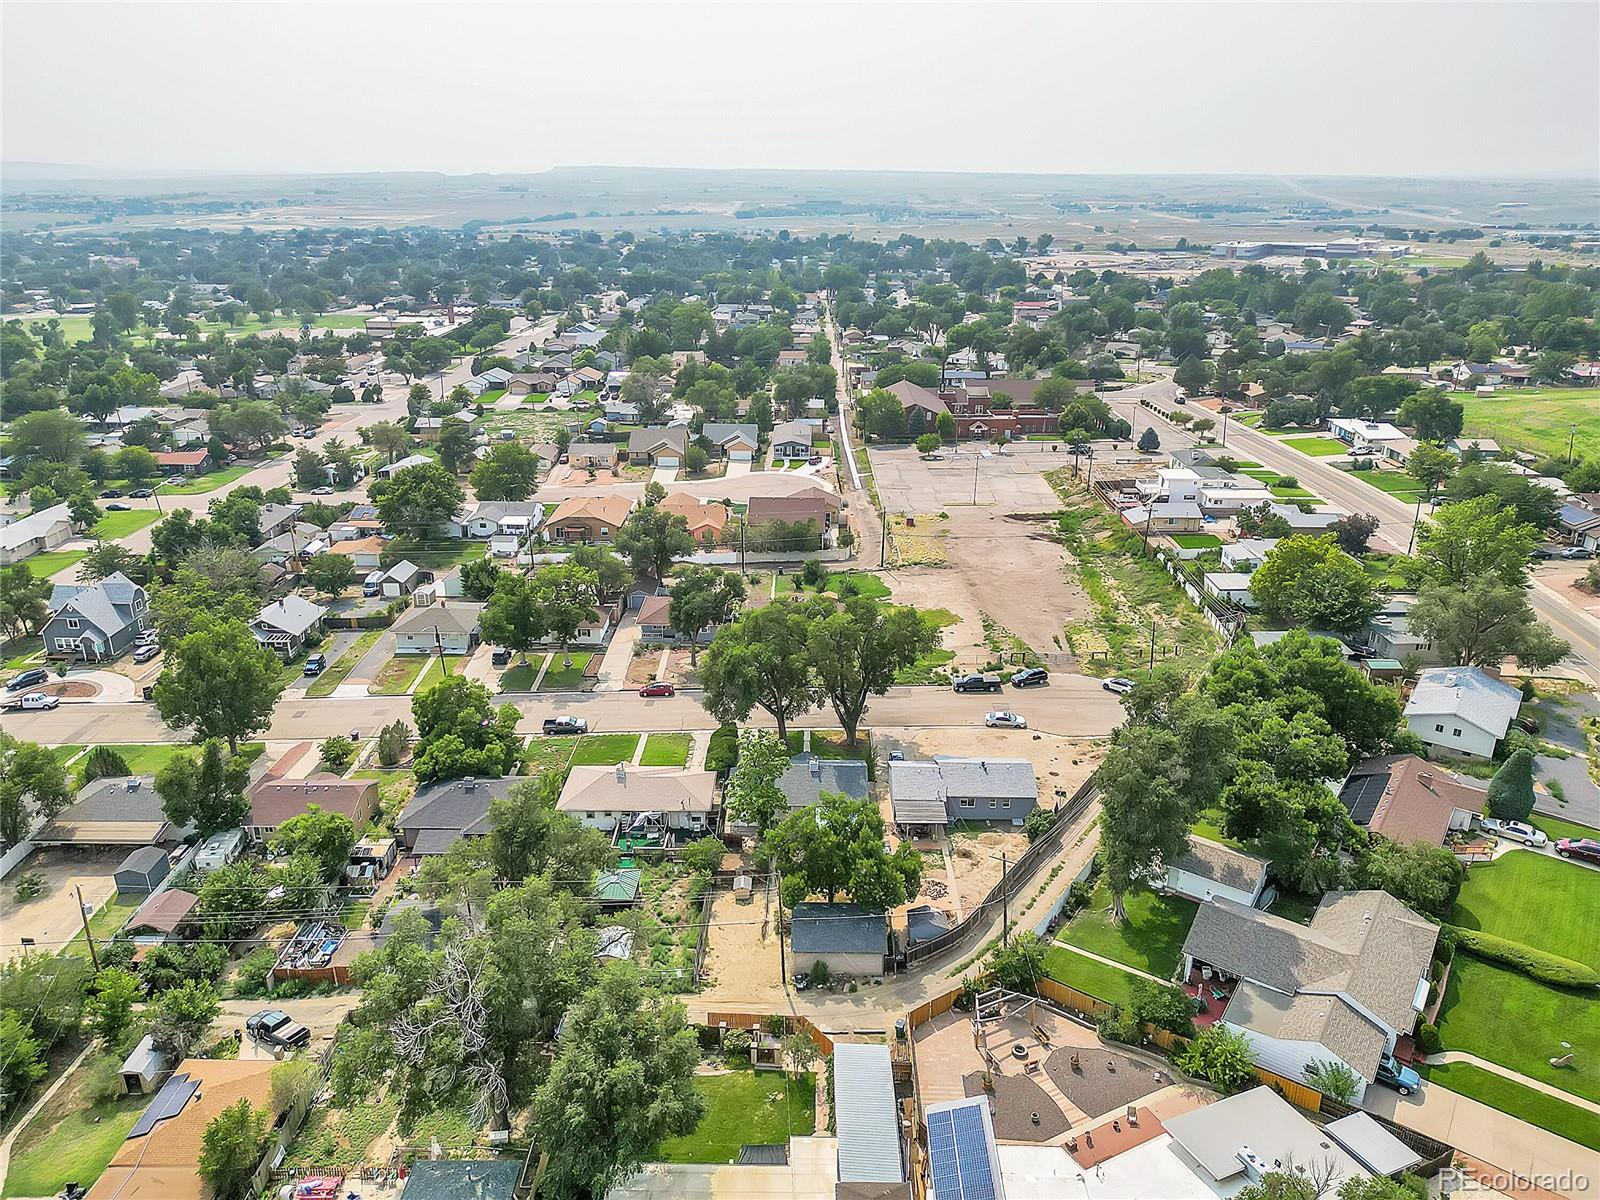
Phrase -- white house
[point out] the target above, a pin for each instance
(450, 626)
(1462, 710)
(1208, 870)
(35, 533)
(390, 470)
(1231, 586)
(1246, 554)
(608, 797)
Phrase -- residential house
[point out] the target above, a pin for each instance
(366, 553)
(1407, 799)
(95, 623)
(1462, 710)
(403, 578)
(446, 627)
(809, 776)
(301, 540)
(792, 440)
(587, 519)
(1165, 516)
(287, 624)
(114, 811)
(1580, 524)
(626, 797)
(360, 522)
(184, 462)
(967, 789)
(1481, 446)
(1389, 634)
(659, 445)
(810, 504)
(1379, 436)
(922, 407)
(655, 623)
(390, 470)
(278, 518)
(1318, 521)
(162, 915)
(441, 814)
(624, 411)
(498, 518)
(1343, 989)
(599, 456)
(1232, 586)
(1246, 554)
(706, 519)
(275, 799)
(35, 533)
(734, 441)
(1207, 870)
(847, 938)
(430, 429)
(529, 383)
(644, 587)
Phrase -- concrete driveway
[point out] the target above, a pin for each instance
(365, 671)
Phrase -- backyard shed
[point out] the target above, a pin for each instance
(144, 1069)
(142, 871)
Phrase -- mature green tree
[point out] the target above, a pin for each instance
(836, 846)
(1481, 623)
(417, 501)
(110, 1009)
(1145, 809)
(858, 650)
(181, 1016)
(220, 681)
(568, 596)
(1259, 521)
(325, 836)
(136, 465)
(230, 1149)
(1533, 504)
(1353, 531)
(23, 600)
(1149, 440)
(33, 787)
(205, 788)
(622, 1081)
(1510, 796)
(1432, 416)
(22, 1062)
(881, 414)
(510, 471)
(389, 438)
(1431, 466)
(455, 445)
(612, 574)
(653, 539)
(1332, 1078)
(101, 762)
(1428, 878)
(528, 836)
(329, 574)
(762, 659)
(1475, 539)
(106, 559)
(514, 617)
(460, 732)
(308, 469)
(753, 796)
(51, 436)
(1310, 582)
(703, 598)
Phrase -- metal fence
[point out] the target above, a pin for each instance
(1015, 879)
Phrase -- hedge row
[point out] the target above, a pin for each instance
(1537, 964)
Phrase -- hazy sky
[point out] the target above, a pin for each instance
(1281, 87)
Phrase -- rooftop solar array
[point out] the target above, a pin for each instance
(169, 1102)
(961, 1156)
(1361, 795)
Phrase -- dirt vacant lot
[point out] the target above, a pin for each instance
(51, 919)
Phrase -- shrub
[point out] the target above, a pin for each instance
(337, 753)
(1038, 823)
(1288, 481)
(1163, 1006)
(723, 750)
(704, 855)
(1220, 1056)
(736, 1043)
(102, 762)
(1120, 1025)
(393, 742)
(820, 974)
(1510, 795)
(30, 886)
(1332, 1079)
(1428, 1040)
(1536, 964)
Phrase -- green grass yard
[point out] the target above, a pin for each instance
(562, 677)
(547, 754)
(1500, 1014)
(1535, 419)
(198, 485)
(1087, 975)
(1397, 483)
(48, 562)
(665, 750)
(435, 674)
(1520, 1101)
(1196, 541)
(396, 676)
(334, 674)
(829, 743)
(745, 1107)
(520, 676)
(116, 525)
(1555, 828)
(148, 759)
(1536, 900)
(1150, 940)
(1317, 447)
(605, 749)
(57, 1149)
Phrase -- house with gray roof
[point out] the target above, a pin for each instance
(1344, 988)
(927, 795)
(737, 442)
(35, 533)
(497, 518)
(1209, 869)
(95, 624)
(658, 445)
(791, 439)
(287, 623)
(450, 627)
(850, 939)
(1462, 710)
(809, 776)
(441, 814)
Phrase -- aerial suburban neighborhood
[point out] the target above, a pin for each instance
(631, 684)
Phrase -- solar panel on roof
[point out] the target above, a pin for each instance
(1362, 795)
(959, 1154)
(169, 1102)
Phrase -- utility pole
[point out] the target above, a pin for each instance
(1005, 905)
(1416, 519)
(83, 915)
(1152, 647)
(783, 959)
(743, 525)
(438, 640)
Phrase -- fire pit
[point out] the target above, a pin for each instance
(1018, 1050)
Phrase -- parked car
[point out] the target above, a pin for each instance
(140, 494)
(1540, 553)
(1119, 686)
(1520, 831)
(659, 688)
(1577, 552)
(1030, 677)
(145, 651)
(1394, 1073)
(28, 679)
(324, 490)
(119, 508)
(110, 494)
(978, 683)
(501, 656)
(316, 664)
(897, 756)
(275, 1028)
(1005, 720)
(565, 725)
(1587, 849)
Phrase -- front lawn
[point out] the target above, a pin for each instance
(48, 562)
(829, 743)
(1520, 1101)
(1536, 900)
(1317, 447)
(116, 525)
(547, 754)
(665, 750)
(745, 1108)
(1094, 978)
(148, 759)
(605, 749)
(1397, 483)
(562, 677)
(520, 677)
(1150, 939)
(198, 485)
(1555, 828)
(1501, 1015)
(1196, 541)
(74, 1146)
(435, 555)
(435, 673)
(397, 675)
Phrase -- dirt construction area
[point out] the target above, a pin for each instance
(742, 962)
(51, 919)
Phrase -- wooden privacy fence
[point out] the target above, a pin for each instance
(742, 1020)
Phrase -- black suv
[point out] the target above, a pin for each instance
(500, 657)
(1030, 677)
(978, 683)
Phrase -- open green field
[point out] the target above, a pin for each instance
(665, 750)
(47, 562)
(1073, 969)
(435, 555)
(1535, 419)
(1196, 541)
(1536, 900)
(334, 674)
(253, 324)
(1560, 1118)
(1150, 940)
(116, 525)
(745, 1107)
(1397, 483)
(605, 749)
(74, 329)
(563, 676)
(1317, 447)
(1501, 1015)
(199, 485)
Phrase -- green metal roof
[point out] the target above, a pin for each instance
(618, 887)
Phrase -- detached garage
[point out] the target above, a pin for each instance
(1211, 871)
(142, 871)
(850, 939)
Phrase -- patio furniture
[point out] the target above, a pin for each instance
(1218, 994)
(1133, 1116)
(1566, 1060)
(1199, 1002)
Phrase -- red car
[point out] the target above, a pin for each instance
(1585, 848)
(658, 689)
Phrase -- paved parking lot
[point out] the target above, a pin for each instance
(1011, 482)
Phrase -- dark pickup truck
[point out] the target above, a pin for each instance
(565, 725)
(978, 683)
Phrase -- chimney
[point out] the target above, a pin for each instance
(622, 773)
(816, 767)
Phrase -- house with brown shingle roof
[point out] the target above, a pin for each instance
(810, 504)
(1407, 799)
(588, 519)
(706, 520)
(274, 800)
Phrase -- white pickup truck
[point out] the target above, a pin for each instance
(36, 700)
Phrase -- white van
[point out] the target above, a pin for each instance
(372, 584)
